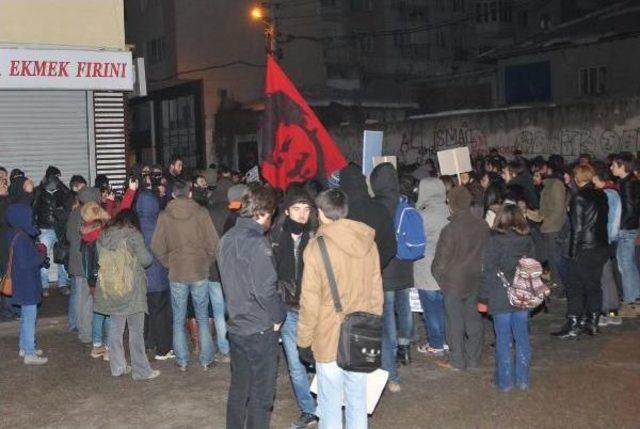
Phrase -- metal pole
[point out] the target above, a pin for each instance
(271, 28)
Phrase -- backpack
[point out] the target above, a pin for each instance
(527, 291)
(114, 289)
(409, 231)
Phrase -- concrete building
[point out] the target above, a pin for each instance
(64, 70)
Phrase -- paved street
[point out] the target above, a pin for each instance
(590, 383)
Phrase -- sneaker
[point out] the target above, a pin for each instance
(168, 355)
(65, 291)
(154, 374)
(127, 370)
(394, 386)
(222, 358)
(98, 352)
(208, 366)
(444, 364)
(604, 321)
(614, 319)
(182, 368)
(38, 352)
(45, 293)
(305, 420)
(35, 360)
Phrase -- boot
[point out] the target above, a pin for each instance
(192, 327)
(591, 324)
(403, 355)
(571, 328)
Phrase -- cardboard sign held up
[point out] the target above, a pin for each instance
(454, 161)
(377, 160)
(371, 148)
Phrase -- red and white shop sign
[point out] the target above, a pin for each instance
(65, 69)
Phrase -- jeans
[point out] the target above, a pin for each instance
(84, 310)
(584, 291)
(100, 329)
(404, 316)
(297, 370)
(140, 368)
(254, 367)
(73, 303)
(389, 337)
(48, 237)
(464, 331)
(217, 303)
(432, 303)
(158, 329)
(509, 327)
(626, 255)
(200, 298)
(335, 387)
(27, 340)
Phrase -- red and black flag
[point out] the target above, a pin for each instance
(295, 145)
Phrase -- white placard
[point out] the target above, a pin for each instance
(65, 69)
(371, 148)
(454, 161)
(377, 160)
(376, 381)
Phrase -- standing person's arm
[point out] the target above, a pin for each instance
(575, 214)
(309, 298)
(386, 242)
(445, 253)
(490, 267)
(136, 241)
(377, 294)
(209, 235)
(264, 280)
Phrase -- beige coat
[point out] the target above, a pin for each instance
(356, 265)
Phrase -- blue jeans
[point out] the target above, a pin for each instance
(48, 237)
(217, 303)
(27, 341)
(626, 255)
(200, 299)
(389, 336)
(404, 316)
(432, 303)
(509, 327)
(73, 304)
(335, 386)
(100, 329)
(297, 370)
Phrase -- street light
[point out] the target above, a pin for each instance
(259, 13)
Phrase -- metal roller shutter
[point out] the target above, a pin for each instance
(110, 136)
(42, 128)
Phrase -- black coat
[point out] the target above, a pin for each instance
(589, 213)
(363, 209)
(502, 253)
(630, 199)
(52, 205)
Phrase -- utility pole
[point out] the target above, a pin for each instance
(272, 29)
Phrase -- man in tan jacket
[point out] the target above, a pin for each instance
(356, 265)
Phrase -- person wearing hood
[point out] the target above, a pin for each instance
(52, 207)
(457, 268)
(158, 332)
(185, 241)
(21, 190)
(356, 267)
(26, 262)
(121, 293)
(432, 205)
(397, 279)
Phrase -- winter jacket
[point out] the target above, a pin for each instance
(615, 212)
(109, 240)
(356, 267)
(249, 279)
(589, 213)
(148, 210)
(457, 265)
(363, 209)
(398, 274)
(219, 205)
(52, 205)
(432, 205)
(553, 205)
(74, 223)
(25, 270)
(502, 253)
(90, 232)
(185, 241)
(525, 181)
(630, 199)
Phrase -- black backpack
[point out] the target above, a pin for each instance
(360, 344)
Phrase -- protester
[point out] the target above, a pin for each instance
(218, 200)
(588, 251)
(234, 198)
(457, 268)
(6, 312)
(509, 241)
(256, 311)
(185, 242)
(356, 267)
(121, 293)
(289, 238)
(432, 205)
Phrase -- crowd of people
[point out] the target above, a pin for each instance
(180, 259)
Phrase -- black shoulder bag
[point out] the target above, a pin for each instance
(360, 344)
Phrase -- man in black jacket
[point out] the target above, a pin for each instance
(622, 167)
(255, 311)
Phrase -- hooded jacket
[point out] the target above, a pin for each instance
(185, 241)
(148, 210)
(25, 270)
(398, 274)
(457, 265)
(432, 205)
(73, 230)
(356, 267)
(363, 209)
(110, 239)
(52, 204)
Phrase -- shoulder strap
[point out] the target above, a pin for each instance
(9, 267)
(332, 279)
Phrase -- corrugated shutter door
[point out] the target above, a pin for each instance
(42, 128)
(110, 133)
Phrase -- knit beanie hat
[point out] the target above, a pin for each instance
(459, 199)
(235, 194)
